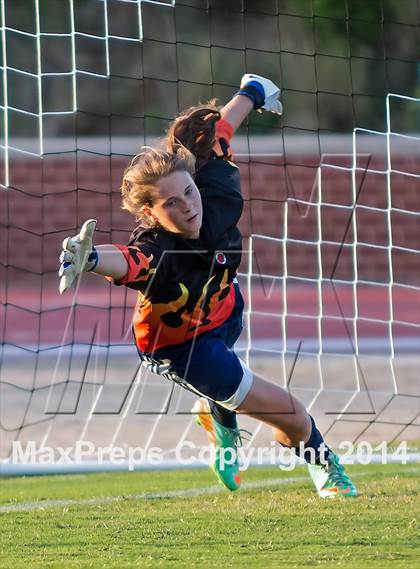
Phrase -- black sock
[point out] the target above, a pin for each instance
(315, 442)
(223, 416)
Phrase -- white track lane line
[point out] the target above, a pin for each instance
(190, 493)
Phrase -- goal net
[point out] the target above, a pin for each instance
(330, 224)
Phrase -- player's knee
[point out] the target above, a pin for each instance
(241, 391)
(300, 429)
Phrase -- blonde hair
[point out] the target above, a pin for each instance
(187, 146)
(145, 170)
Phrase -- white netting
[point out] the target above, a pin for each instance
(355, 337)
(331, 220)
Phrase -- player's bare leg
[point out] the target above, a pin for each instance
(276, 407)
(294, 427)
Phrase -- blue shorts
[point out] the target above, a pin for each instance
(207, 364)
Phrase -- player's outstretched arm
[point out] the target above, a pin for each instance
(79, 255)
(255, 92)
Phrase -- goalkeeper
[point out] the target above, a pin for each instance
(183, 259)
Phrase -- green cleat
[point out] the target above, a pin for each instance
(331, 479)
(225, 442)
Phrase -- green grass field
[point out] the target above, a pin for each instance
(183, 519)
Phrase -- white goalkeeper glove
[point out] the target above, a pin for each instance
(78, 255)
(262, 92)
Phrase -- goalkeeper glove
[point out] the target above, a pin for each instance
(262, 92)
(78, 255)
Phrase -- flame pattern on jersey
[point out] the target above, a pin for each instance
(172, 310)
(142, 262)
(161, 324)
(185, 287)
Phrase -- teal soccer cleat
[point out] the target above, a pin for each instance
(331, 479)
(225, 442)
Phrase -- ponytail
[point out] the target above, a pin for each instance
(194, 129)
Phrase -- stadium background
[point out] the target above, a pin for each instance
(335, 61)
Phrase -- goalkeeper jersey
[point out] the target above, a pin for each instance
(185, 285)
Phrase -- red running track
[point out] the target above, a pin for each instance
(42, 317)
